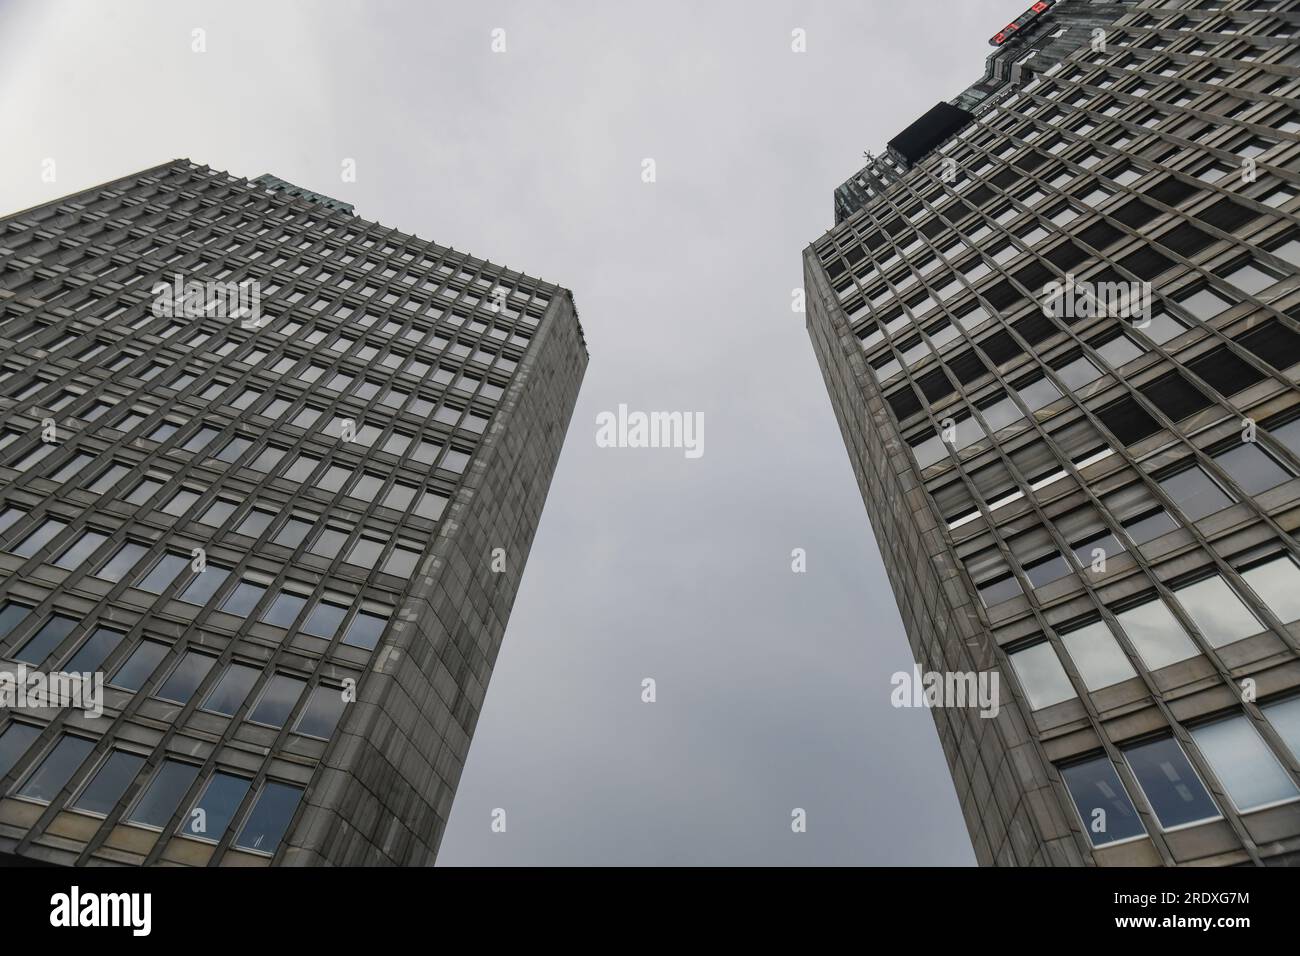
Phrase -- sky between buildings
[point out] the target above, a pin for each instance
(772, 687)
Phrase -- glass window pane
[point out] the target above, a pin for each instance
(164, 793)
(57, 768)
(122, 562)
(232, 689)
(1156, 634)
(1217, 611)
(1284, 715)
(1172, 787)
(81, 550)
(243, 598)
(322, 713)
(324, 619)
(1042, 676)
(293, 532)
(204, 584)
(110, 782)
(50, 636)
(220, 800)
(277, 700)
(269, 818)
(365, 553)
(1194, 494)
(94, 651)
(14, 741)
(1277, 582)
(187, 676)
(1103, 804)
(139, 666)
(11, 615)
(284, 609)
(1250, 468)
(1098, 656)
(164, 573)
(1243, 763)
(45, 533)
(365, 630)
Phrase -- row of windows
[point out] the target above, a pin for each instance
(1247, 768)
(1218, 612)
(285, 607)
(211, 815)
(1195, 494)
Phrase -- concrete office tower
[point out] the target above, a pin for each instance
(1060, 336)
(347, 430)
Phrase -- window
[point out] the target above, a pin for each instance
(94, 651)
(325, 619)
(1156, 634)
(1097, 656)
(109, 782)
(1284, 715)
(278, 700)
(164, 793)
(185, 679)
(321, 715)
(1251, 468)
(294, 532)
(365, 553)
(270, 817)
(14, 741)
(1277, 582)
(181, 502)
(365, 630)
(139, 666)
(329, 542)
(11, 615)
(403, 559)
(244, 597)
(38, 538)
(1194, 493)
(1243, 763)
(232, 689)
(284, 609)
(431, 505)
(1218, 612)
(1041, 675)
(1171, 785)
(334, 478)
(219, 802)
(121, 562)
(80, 550)
(164, 573)
(1107, 813)
(204, 584)
(218, 512)
(50, 636)
(255, 522)
(57, 768)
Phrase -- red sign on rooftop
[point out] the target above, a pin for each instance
(1022, 21)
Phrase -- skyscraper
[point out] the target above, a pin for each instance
(1059, 321)
(272, 472)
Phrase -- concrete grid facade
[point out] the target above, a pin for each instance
(1100, 506)
(348, 467)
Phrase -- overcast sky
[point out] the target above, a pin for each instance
(772, 687)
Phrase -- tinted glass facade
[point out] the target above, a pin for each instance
(272, 531)
(1062, 351)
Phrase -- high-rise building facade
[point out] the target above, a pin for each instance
(1059, 322)
(272, 471)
